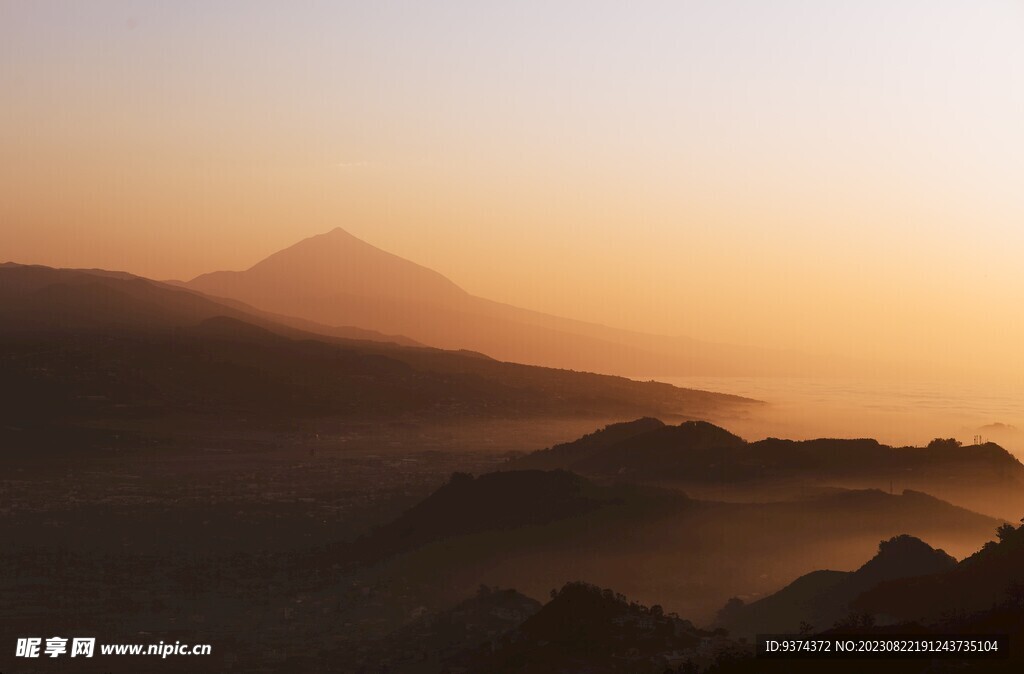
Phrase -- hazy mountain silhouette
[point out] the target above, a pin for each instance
(91, 348)
(335, 263)
(335, 278)
(659, 451)
(984, 477)
(508, 500)
(530, 529)
(697, 450)
(822, 598)
(34, 297)
(585, 628)
(567, 454)
(860, 510)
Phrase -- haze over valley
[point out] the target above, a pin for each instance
(517, 338)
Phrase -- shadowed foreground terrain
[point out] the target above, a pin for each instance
(286, 560)
(584, 628)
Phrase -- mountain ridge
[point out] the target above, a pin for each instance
(23, 288)
(101, 348)
(336, 276)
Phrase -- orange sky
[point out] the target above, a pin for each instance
(830, 178)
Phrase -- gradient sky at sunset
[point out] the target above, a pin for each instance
(825, 176)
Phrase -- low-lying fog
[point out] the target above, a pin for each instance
(894, 412)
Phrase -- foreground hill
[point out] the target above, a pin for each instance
(588, 629)
(993, 576)
(582, 628)
(335, 278)
(982, 595)
(705, 460)
(102, 350)
(822, 598)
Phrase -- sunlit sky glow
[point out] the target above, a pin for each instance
(834, 177)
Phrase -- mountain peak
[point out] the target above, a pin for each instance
(312, 276)
(905, 555)
(337, 234)
(332, 237)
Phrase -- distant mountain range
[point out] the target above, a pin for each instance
(697, 455)
(337, 279)
(34, 297)
(94, 349)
